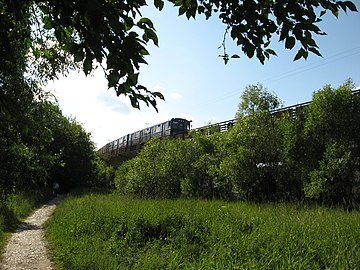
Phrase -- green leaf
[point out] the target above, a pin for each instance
(150, 34)
(314, 50)
(270, 51)
(250, 50)
(190, 13)
(113, 78)
(260, 55)
(87, 66)
(37, 53)
(159, 95)
(182, 10)
(28, 42)
(79, 55)
(133, 79)
(289, 42)
(146, 21)
(226, 58)
(178, 3)
(159, 4)
(335, 12)
(128, 24)
(351, 6)
(300, 53)
(134, 102)
(235, 56)
(145, 37)
(47, 54)
(47, 23)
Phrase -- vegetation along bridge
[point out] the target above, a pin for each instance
(128, 145)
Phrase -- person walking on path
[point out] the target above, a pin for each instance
(55, 188)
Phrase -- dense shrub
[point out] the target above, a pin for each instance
(335, 179)
(157, 171)
(331, 152)
(102, 174)
(171, 168)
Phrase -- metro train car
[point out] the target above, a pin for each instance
(133, 142)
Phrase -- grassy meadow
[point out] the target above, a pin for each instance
(113, 232)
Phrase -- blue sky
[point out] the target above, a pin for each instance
(196, 83)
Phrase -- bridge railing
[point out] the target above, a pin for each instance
(291, 110)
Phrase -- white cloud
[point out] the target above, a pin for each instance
(167, 94)
(113, 102)
(175, 96)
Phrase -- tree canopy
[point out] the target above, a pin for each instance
(49, 37)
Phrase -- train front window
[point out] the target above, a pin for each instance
(175, 125)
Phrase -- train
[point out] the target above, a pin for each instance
(131, 143)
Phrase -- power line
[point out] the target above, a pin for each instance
(325, 61)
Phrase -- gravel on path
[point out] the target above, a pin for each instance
(26, 248)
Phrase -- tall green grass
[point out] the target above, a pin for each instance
(111, 232)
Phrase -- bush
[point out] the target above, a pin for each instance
(156, 172)
(334, 181)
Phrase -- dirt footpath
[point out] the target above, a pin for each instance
(26, 247)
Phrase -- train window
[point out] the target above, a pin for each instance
(175, 124)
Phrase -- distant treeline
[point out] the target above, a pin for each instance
(312, 154)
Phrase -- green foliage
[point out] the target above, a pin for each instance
(172, 168)
(75, 152)
(201, 174)
(41, 146)
(253, 24)
(336, 179)
(312, 152)
(102, 174)
(331, 160)
(253, 164)
(257, 99)
(46, 38)
(157, 171)
(187, 234)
